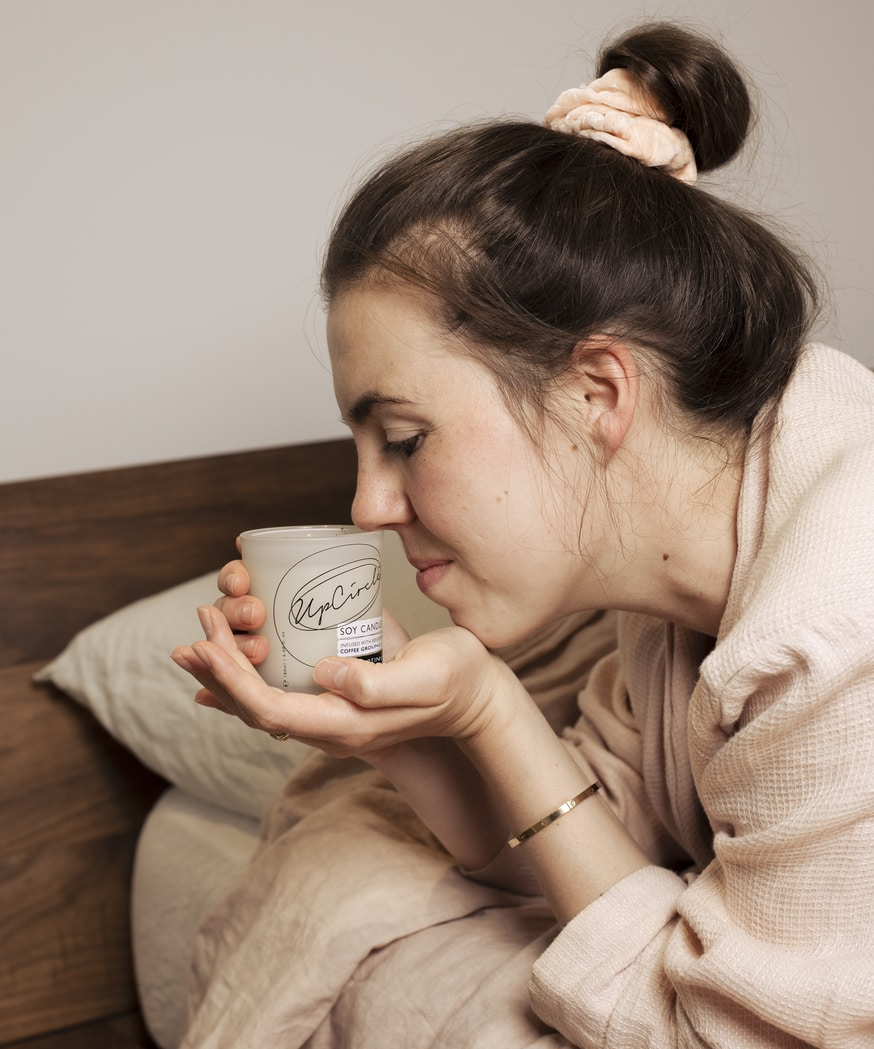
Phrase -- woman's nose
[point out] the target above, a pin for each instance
(380, 500)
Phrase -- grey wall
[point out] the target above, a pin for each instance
(170, 169)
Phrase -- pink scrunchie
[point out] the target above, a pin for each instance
(610, 111)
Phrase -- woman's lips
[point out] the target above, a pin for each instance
(429, 573)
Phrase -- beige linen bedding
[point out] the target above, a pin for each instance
(352, 917)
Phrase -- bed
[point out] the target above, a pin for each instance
(127, 810)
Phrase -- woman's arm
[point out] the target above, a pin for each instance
(505, 770)
(475, 795)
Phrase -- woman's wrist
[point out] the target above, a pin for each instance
(530, 774)
(527, 766)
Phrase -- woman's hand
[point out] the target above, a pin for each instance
(442, 684)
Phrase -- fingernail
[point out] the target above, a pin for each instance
(202, 652)
(180, 660)
(331, 673)
(231, 581)
(203, 614)
(248, 646)
(246, 613)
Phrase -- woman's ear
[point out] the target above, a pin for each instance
(607, 378)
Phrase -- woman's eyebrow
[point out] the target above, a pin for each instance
(361, 409)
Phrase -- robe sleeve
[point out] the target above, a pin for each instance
(771, 944)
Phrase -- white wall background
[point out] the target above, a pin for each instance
(169, 170)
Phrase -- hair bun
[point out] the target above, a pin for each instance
(699, 87)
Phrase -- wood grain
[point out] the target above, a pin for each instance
(73, 549)
(71, 804)
(61, 775)
(118, 1032)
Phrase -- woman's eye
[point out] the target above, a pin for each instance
(405, 448)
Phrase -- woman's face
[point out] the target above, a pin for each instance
(493, 530)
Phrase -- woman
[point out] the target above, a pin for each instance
(577, 381)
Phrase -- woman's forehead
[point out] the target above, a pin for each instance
(381, 305)
(384, 324)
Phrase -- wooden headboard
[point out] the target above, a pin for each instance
(73, 549)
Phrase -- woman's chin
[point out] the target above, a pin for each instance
(486, 631)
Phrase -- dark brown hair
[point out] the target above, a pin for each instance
(530, 240)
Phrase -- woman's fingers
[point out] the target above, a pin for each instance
(240, 608)
(437, 684)
(327, 721)
(185, 657)
(229, 681)
(244, 612)
(374, 686)
(216, 627)
(219, 651)
(233, 579)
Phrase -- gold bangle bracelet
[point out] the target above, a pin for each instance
(535, 828)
